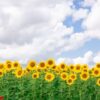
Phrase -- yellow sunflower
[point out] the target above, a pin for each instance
(77, 68)
(72, 67)
(85, 70)
(32, 65)
(8, 61)
(49, 77)
(98, 65)
(19, 73)
(50, 62)
(84, 76)
(8, 66)
(1, 73)
(35, 75)
(42, 65)
(98, 82)
(63, 67)
(54, 67)
(1, 66)
(84, 66)
(96, 72)
(70, 81)
(16, 65)
(73, 76)
(64, 76)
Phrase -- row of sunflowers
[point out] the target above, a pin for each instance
(47, 80)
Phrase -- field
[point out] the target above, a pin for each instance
(48, 81)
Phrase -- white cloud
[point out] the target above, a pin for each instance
(86, 59)
(34, 29)
(88, 3)
(80, 14)
(89, 58)
(92, 21)
(97, 58)
(65, 60)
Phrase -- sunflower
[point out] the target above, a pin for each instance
(8, 66)
(35, 75)
(54, 67)
(16, 65)
(98, 82)
(49, 77)
(73, 76)
(1, 66)
(96, 72)
(19, 73)
(42, 65)
(84, 76)
(98, 65)
(32, 65)
(77, 68)
(64, 76)
(63, 67)
(50, 63)
(1, 73)
(8, 61)
(70, 81)
(84, 66)
(71, 67)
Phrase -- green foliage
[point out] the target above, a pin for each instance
(26, 88)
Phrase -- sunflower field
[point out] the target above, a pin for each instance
(47, 80)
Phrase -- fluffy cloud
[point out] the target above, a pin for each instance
(88, 3)
(92, 22)
(88, 58)
(34, 29)
(97, 58)
(80, 14)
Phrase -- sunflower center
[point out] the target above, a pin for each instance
(42, 64)
(72, 67)
(84, 75)
(35, 75)
(69, 81)
(9, 66)
(50, 62)
(19, 72)
(15, 65)
(62, 66)
(0, 73)
(1, 66)
(49, 77)
(96, 72)
(98, 65)
(64, 76)
(73, 77)
(78, 68)
(32, 64)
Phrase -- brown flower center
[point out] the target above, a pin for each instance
(49, 77)
(19, 72)
(96, 72)
(32, 64)
(0, 73)
(84, 75)
(42, 64)
(69, 81)
(50, 62)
